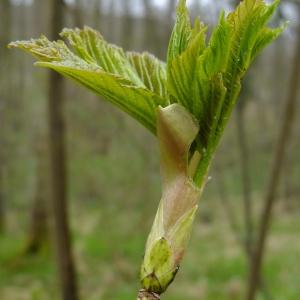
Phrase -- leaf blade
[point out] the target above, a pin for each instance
(101, 67)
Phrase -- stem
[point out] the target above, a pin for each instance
(144, 295)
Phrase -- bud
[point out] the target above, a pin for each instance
(166, 244)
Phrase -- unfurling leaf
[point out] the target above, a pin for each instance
(133, 82)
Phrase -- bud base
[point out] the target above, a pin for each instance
(144, 295)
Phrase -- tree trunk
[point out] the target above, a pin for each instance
(276, 170)
(38, 231)
(144, 295)
(2, 208)
(5, 31)
(58, 178)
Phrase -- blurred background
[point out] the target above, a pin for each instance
(112, 183)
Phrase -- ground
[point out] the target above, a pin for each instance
(109, 247)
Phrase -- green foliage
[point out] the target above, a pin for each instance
(207, 79)
(133, 82)
(203, 77)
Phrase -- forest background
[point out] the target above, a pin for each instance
(111, 181)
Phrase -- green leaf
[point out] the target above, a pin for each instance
(183, 67)
(209, 90)
(250, 34)
(215, 57)
(206, 80)
(195, 76)
(90, 46)
(104, 69)
(151, 70)
(265, 37)
(181, 33)
(248, 21)
(211, 93)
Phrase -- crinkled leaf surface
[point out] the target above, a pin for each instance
(151, 70)
(181, 33)
(134, 82)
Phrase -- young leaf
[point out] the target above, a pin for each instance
(265, 37)
(151, 70)
(183, 67)
(249, 35)
(104, 69)
(209, 90)
(181, 33)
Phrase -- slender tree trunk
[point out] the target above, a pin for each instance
(38, 231)
(288, 192)
(67, 274)
(276, 170)
(5, 31)
(2, 208)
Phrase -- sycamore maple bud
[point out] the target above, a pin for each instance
(176, 130)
